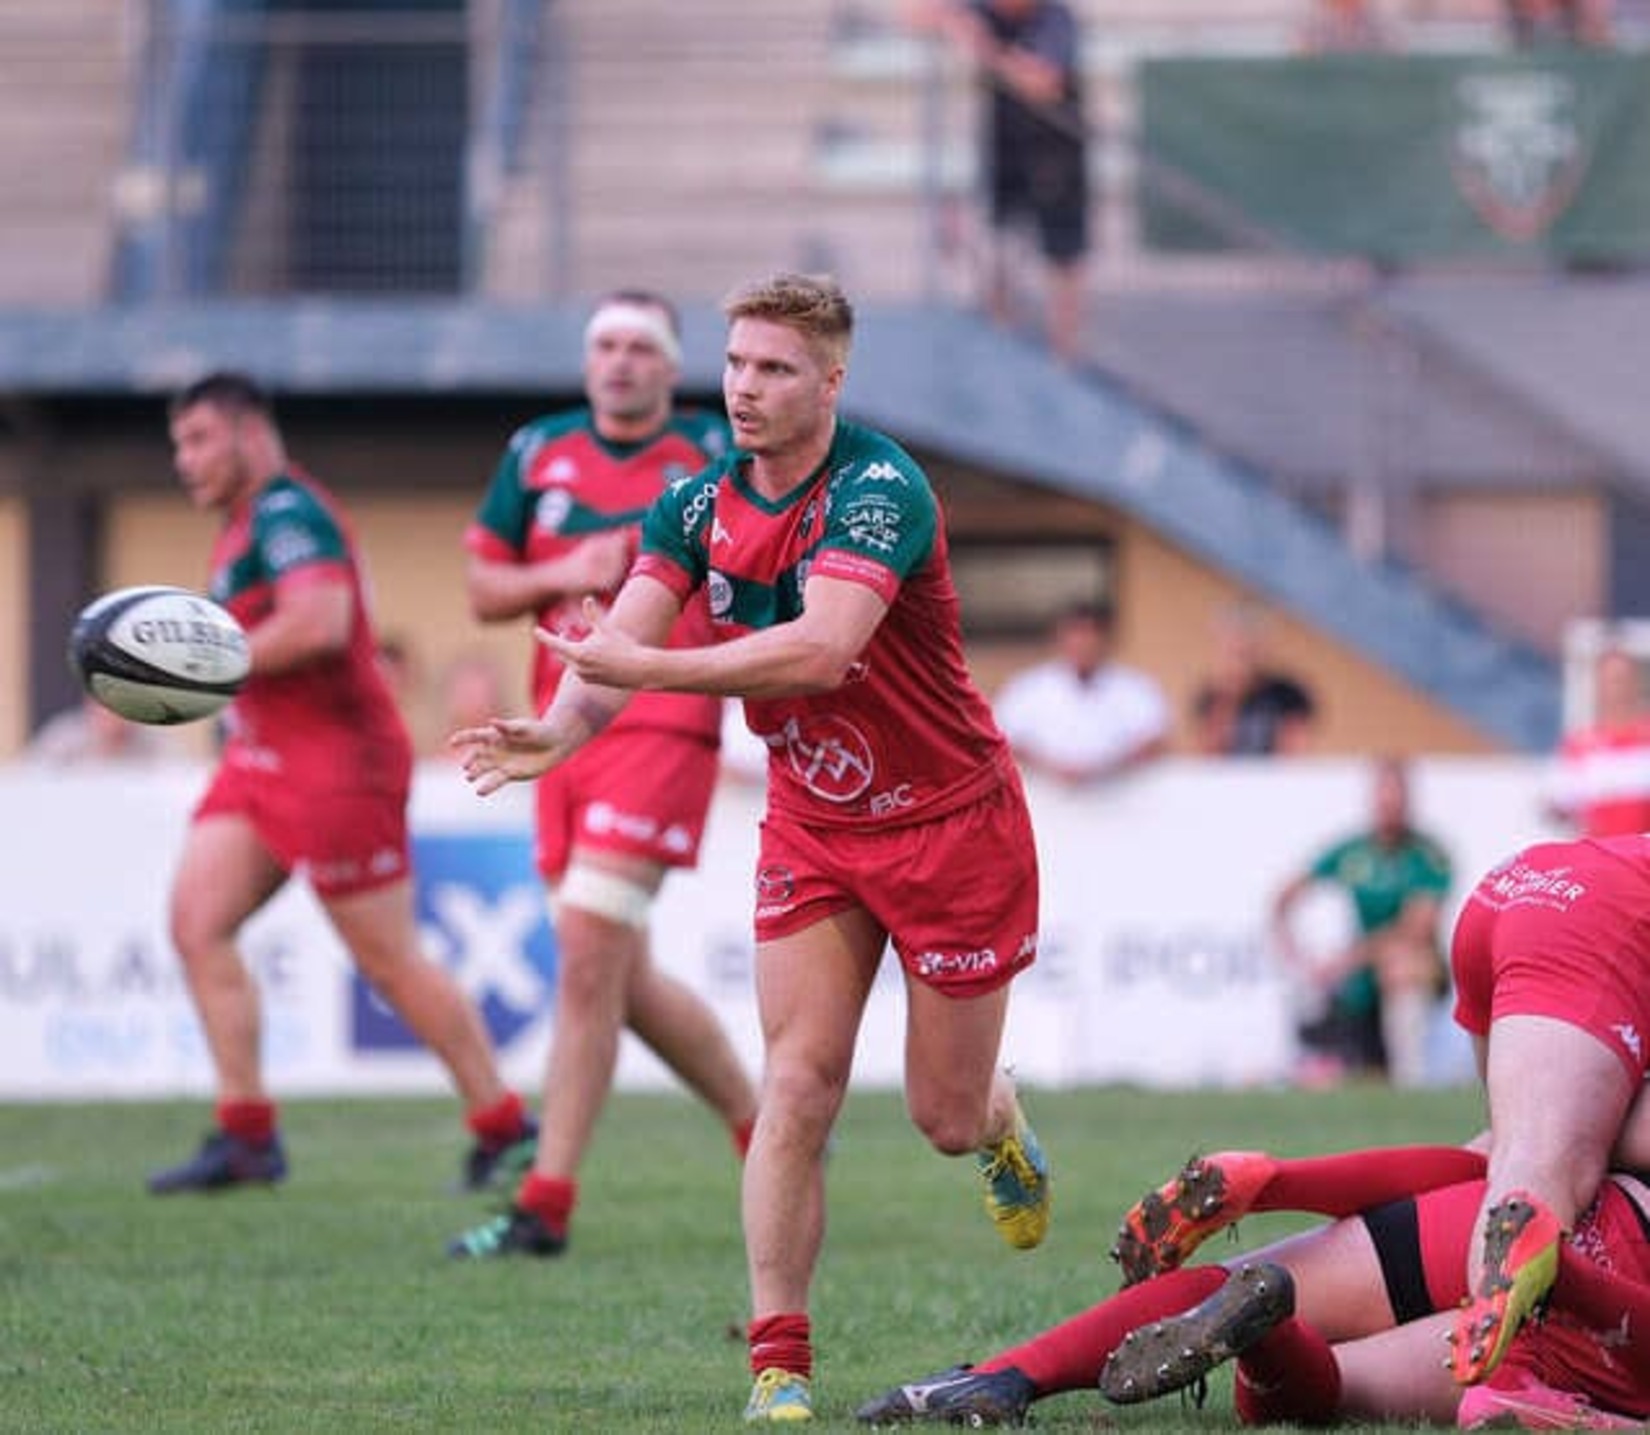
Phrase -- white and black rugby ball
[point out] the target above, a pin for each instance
(159, 655)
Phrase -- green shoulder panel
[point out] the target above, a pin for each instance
(293, 527)
(881, 503)
(506, 509)
(675, 524)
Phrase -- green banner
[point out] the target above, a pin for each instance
(1400, 157)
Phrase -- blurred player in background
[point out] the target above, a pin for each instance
(1600, 780)
(1383, 990)
(894, 809)
(559, 524)
(314, 776)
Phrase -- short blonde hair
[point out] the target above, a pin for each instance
(812, 304)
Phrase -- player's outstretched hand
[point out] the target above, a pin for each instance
(604, 654)
(507, 750)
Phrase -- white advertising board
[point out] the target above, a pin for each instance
(1155, 966)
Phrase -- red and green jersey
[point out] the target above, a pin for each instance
(333, 718)
(906, 736)
(559, 483)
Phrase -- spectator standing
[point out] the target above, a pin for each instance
(1386, 986)
(558, 524)
(1245, 707)
(90, 733)
(894, 811)
(314, 776)
(1034, 152)
(1082, 716)
(1600, 779)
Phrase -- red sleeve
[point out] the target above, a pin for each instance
(484, 543)
(662, 570)
(856, 568)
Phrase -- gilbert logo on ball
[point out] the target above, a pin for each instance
(159, 655)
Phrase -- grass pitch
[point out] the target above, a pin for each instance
(328, 1305)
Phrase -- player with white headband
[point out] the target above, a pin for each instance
(559, 523)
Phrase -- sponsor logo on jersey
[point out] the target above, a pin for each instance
(1516, 883)
(694, 509)
(1629, 1037)
(830, 757)
(893, 800)
(551, 511)
(288, 545)
(874, 521)
(280, 500)
(719, 593)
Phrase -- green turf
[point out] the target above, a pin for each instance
(328, 1305)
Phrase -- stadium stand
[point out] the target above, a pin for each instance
(63, 78)
(1227, 410)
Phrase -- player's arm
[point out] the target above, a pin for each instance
(1283, 914)
(500, 589)
(313, 616)
(519, 749)
(811, 653)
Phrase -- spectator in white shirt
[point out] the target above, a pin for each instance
(1081, 716)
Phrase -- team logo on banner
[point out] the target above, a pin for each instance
(481, 914)
(1518, 154)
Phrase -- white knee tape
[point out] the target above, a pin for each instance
(604, 894)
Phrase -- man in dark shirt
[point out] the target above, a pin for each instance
(1034, 151)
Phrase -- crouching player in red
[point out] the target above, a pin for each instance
(894, 810)
(1551, 959)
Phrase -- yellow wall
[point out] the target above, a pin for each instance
(1167, 601)
(1168, 604)
(1530, 562)
(14, 613)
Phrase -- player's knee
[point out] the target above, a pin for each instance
(608, 896)
(949, 1129)
(802, 1099)
(195, 934)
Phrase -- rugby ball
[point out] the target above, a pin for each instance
(159, 655)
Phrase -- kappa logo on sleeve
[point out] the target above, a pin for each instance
(481, 914)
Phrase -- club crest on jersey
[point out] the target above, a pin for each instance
(830, 757)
